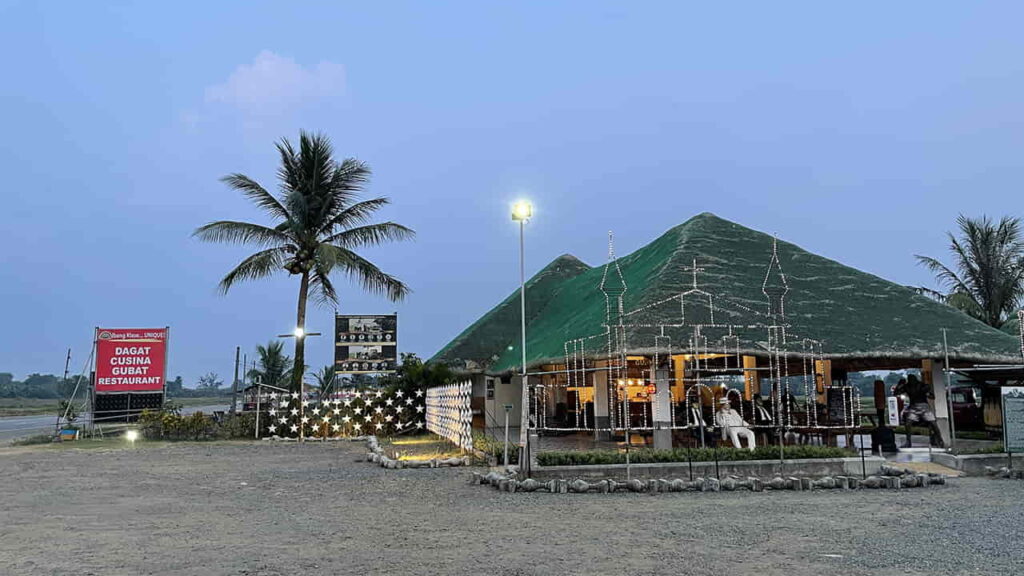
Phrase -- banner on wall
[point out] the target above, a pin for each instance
(131, 359)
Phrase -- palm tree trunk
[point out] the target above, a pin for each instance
(299, 366)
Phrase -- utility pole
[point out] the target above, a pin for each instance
(234, 384)
(67, 364)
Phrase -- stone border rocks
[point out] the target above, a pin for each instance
(1004, 472)
(890, 478)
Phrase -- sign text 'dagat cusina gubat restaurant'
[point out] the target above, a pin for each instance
(131, 372)
(130, 360)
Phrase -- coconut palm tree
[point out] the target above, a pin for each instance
(274, 367)
(987, 279)
(318, 223)
(325, 378)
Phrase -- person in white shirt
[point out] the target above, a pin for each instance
(733, 426)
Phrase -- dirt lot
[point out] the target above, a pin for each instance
(273, 509)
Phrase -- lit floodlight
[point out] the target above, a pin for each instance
(299, 332)
(522, 210)
(131, 435)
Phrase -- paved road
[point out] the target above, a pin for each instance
(12, 427)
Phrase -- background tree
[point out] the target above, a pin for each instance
(273, 367)
(325, 380)
(175, 386)
(987, 279)
(318, 224)
(209, 382)
(413, 374)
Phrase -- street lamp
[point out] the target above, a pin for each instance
(522, 211)
(300, 333)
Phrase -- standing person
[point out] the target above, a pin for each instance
(918, 409)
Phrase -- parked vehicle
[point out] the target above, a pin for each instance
(967, 410)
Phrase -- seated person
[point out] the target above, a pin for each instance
(762, 417)
(698, 426)
(733, 426)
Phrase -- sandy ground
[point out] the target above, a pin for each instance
(285, 509)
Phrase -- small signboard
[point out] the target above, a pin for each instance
(1013, 419)
(893, 405)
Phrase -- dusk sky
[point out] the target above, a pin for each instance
(858, 132)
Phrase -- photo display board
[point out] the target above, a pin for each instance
(130, 359)
(1013, 419)
(365, 344)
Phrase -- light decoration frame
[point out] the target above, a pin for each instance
(713, 351)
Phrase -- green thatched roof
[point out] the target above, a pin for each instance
(485, 340)
(856, 316)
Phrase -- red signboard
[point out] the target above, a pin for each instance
(130, 360)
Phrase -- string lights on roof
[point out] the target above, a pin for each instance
(712, 349)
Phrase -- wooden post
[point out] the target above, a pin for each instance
(822, 378)
(751, 378)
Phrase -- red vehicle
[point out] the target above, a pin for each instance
(967, 411)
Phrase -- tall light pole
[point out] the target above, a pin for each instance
(300, 333)
(521, 212)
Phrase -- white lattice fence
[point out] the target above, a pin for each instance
(449, 414)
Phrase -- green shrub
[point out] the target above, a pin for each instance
(495, 448)
(649, 456)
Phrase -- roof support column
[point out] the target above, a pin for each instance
(661, 410)
(751, 378)
(601, 419)
(822, 379)
(932, 375)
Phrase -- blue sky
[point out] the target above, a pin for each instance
(858, 132)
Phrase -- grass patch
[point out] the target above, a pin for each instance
(33, 440)
(28, 406)
(421, 447)
(996, 448)
(651, 456)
